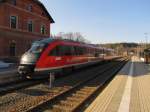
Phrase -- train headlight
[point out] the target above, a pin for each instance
(28, 59)
(24, 59)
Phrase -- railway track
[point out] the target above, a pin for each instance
(23, 83)
(20, 84)
(75, 98)
(27, 98)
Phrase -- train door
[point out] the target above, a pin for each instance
(60, 56)
(67, 54)
(55, 57)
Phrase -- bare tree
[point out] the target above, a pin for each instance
(76, 36)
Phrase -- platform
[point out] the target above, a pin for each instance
(129, 91)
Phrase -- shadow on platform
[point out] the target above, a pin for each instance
(139, 69)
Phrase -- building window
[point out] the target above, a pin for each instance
(13, 2)
(13, 22)
(43, 29)
(29, 8)
(30, 26)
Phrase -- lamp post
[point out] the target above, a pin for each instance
(146, 39)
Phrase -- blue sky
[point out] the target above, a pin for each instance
(101, 21)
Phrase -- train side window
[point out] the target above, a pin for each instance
(92, 51)
(79, 50)
(56, 51)
(73, 50)
(76, 50)
(86, 50)
(68, 51)
(82, 51)
(62, 50)
(79, 53)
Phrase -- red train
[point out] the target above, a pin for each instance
(51, 55)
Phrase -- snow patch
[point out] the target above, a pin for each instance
(4, 65)
(142, 59)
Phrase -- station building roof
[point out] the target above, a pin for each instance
(42, 6)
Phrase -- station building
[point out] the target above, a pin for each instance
(22, 22)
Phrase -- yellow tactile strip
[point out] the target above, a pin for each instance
(112, 93)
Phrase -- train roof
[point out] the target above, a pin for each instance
(46, 40)
(49, 40)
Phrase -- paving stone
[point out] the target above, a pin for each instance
(109, 100)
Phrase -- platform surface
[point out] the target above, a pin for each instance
(129, 91)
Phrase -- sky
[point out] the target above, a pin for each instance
(101, 21)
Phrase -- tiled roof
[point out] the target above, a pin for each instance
(43, 7)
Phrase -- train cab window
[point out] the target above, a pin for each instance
(37, 48)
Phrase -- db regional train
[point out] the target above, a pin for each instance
(54, 55)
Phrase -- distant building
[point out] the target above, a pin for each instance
(21, 22)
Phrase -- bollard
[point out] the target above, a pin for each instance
(51, 79)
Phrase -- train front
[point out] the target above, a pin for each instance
(29, 59)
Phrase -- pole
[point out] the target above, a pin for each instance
(146, 39)
(51, 79)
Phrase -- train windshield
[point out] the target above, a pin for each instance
(37, 47)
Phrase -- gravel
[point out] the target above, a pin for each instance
(21, 100)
